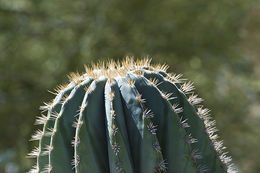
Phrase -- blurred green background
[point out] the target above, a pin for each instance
(215, 44)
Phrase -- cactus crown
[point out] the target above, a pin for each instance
(131, 117)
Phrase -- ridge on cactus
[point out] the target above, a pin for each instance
(130, 117)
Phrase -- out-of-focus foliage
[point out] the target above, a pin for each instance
(214, 43)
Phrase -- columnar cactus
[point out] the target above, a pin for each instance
(130, 117)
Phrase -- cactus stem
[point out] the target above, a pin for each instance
(173, 84)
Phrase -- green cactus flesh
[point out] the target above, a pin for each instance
(130, 117)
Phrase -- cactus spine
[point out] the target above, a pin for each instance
(130, 117)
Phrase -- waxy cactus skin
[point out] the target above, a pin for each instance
(130, 117)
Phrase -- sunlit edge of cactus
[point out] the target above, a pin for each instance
(120, 69)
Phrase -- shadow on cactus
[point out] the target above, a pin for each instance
(130, 117)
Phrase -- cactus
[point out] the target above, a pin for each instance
(130, 117)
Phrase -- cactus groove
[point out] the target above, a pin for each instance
(129, 117)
